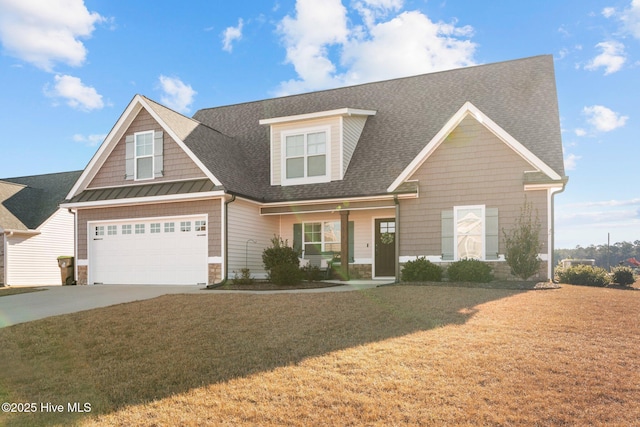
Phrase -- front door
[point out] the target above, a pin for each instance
(385, 230)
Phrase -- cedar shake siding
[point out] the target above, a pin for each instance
(210, 207)
(176, 163)
(471, 167)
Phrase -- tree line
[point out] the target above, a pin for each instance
(605, 256)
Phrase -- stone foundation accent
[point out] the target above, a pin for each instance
(83, 275)
(502, 271)
(215, 273)
(356, 271)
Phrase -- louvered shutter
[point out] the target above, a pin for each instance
(447, 235)
(129, 169)
(492, 234)
(158, 154)
(297, 238)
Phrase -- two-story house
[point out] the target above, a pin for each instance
(435, 165)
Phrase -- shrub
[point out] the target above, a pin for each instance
(244, 278)
(586, 275)
(285, 275)
(311, 273)
(279, 253)
(421, 270)
(623, 276)
(522, 244)
(470, 270)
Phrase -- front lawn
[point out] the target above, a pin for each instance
(397, 355)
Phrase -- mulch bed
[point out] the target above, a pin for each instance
(523, 285)
(268, 286)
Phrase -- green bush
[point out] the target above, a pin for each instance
(421, 270)
(586, 275)
(285, 275)
(279, 253)
(470, 270)
(623, 276)
(312, 273)
(244, 278)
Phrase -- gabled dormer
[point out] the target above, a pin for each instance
(316, 147)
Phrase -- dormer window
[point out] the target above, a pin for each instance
(306, 156)
(144, 155)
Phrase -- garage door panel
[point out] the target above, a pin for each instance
(157, 251)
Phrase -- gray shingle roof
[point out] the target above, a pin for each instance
(40, 197)
(520, 96)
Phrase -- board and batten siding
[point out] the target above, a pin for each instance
(471, 167)
(245, 226)
(33, 260)
(176, 163)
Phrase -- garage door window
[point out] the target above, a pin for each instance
(112, 230)
(139, 228)
(169, 227)
(126, 229)
(201, 225)
(185, 226)
(100, 230)
(155, 228)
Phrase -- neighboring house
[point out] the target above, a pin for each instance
(434, 166)
(34, 230)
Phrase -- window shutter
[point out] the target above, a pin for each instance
(447, 235)
(297, 238)
(158, 154)
(351, 242)
(129, 157)
(492, 234)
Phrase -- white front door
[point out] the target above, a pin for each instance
(159, 251)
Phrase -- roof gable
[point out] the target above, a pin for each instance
(468, 109)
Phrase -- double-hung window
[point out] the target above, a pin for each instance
(144, 155)
(470, 232)
(306, 157)
(321, 237)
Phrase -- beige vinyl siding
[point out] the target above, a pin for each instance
(471, 167)
(245, 223)
(211, 207)
(363, 223)
(32, 260)
(352, 129)
(177, 164)
(276, 145)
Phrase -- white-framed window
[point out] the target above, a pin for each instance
(126, 229)
(143, 146)
(469, 228)
(169, 227)
(305, 156)
(201, 225)
(320, 237)
(185, 226)
(112, 230)
(99, 230)
(140, 228)
(154, 228)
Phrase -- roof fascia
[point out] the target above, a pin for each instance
(135, 106)
(469, 109)
(320, 114)
(144, 200)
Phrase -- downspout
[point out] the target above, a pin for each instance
(75, 244)
(397, 239)
(226, 245)
(552, 194)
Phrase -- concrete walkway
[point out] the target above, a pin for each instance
(57, 300)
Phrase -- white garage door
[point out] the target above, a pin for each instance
(160, 251)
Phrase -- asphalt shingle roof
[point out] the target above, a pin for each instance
(39, 198)
(520, 96)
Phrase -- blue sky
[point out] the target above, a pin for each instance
(68, 69)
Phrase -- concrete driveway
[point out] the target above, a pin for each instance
(57, 300)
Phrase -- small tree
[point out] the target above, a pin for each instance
(279, 254)
(522, 244)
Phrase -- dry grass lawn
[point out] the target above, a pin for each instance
(401, 355)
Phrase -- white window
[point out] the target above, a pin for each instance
(139, 228)
(169, 227)
(201, 225)
(321, 237)
(305, 157)
(144, 155)
(469, 228)
(112, 230)
(185, 226)
(100, 230)
(155, 228)
(126, 229)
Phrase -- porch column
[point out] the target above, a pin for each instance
(344, 245)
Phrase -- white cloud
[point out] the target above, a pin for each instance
(608, 12)
(631, 19)
(177, 95)
(319, 39)
(44, 33)
(570, 161)
(89, 140)
(76, 94)
(602, 119)
(611, 59)
(230, 35)
(581, 132)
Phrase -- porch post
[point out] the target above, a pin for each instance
(344, 245)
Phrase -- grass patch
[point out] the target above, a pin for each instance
(395, 355)
(6, 291)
